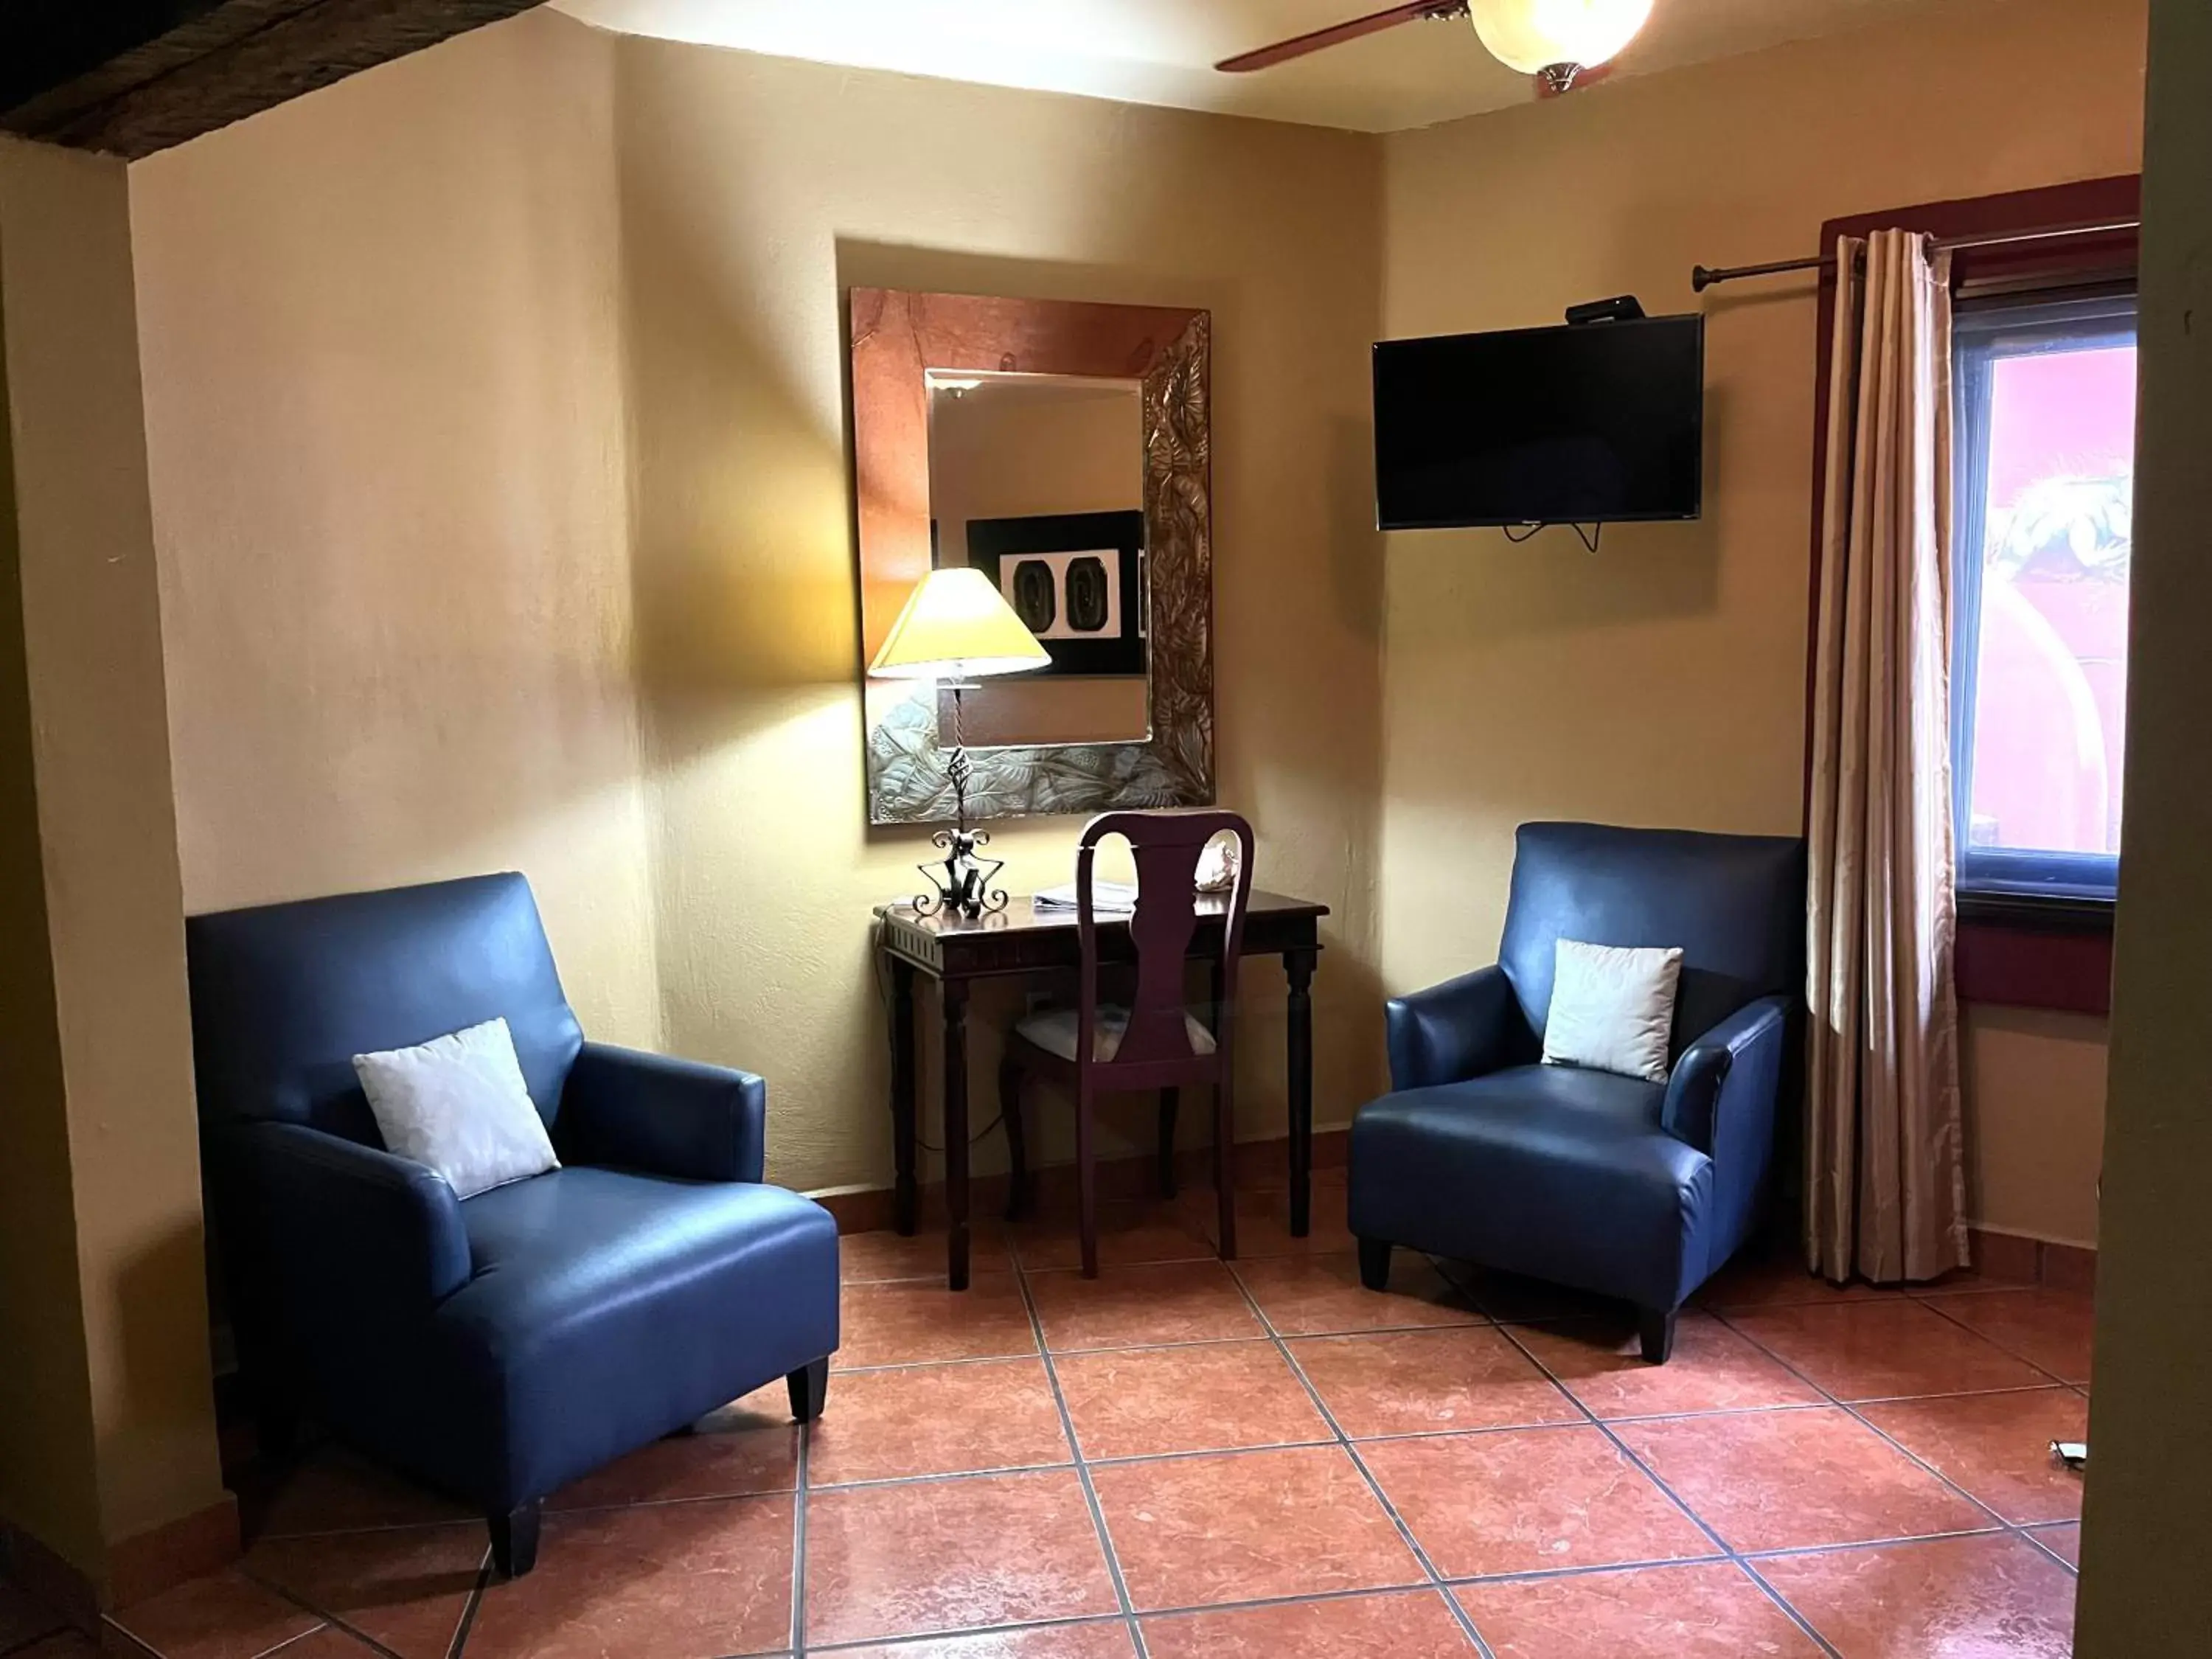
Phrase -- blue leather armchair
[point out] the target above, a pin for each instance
(498, 1347)
(1610, 1184)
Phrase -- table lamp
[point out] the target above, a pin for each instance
(956, 628)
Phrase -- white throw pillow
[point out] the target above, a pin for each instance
(459, 1104)
(1612, 1008)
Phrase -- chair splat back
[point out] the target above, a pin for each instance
(1166, 848)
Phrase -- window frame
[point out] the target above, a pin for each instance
(2043, 952)
(1992, 881)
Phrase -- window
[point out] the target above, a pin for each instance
(2045, 486)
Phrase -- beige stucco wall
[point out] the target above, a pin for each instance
(497, 407)
(1662, 680)
(49, 1483)
(99, 745)
(2146, 1536)
(384, 392)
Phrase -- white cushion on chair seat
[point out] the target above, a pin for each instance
(1054, 1032)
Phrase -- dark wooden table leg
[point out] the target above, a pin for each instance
(1298, 966)
(956, 1133)
(905, 1198)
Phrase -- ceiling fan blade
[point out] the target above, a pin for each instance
(1374, 23)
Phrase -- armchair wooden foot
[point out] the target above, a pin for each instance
(1656, 1330)
(810, 1387)
(514, 1539)
(1374, 1263)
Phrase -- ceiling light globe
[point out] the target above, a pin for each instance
(1533, 35)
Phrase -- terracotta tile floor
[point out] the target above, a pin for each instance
(1188, 1459)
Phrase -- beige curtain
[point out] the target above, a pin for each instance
(1885, 1183)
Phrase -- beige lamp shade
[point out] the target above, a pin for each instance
(1533, 35)
(957, 626)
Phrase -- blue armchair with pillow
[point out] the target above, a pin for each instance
(1617, 1184)
(499, 1345)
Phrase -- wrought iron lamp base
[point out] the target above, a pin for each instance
(963, 878)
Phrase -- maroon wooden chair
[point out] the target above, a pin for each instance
(1154, 1043)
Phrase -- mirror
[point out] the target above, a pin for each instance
(1038, 481)
(1065, 450)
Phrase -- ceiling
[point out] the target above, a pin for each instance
(1160, 51)
(133, 77)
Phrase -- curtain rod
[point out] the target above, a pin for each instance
(1704, 277)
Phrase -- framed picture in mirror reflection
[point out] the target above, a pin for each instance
(1076, 580)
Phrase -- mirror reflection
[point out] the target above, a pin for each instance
(1038, 481)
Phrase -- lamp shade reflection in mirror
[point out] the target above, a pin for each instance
(1038, 482)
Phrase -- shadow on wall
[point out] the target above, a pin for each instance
(1489, 590)
(751, 195)
(160, 1290)
(1355, 564)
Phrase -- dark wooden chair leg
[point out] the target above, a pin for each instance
(1656, 1331)
(808, 1386)
(1171, 1100)
(1086, 1181)
(1017, 1151)
(514, 1539)
(1375, 1263)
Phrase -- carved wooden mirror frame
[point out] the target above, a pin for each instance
(896, 340)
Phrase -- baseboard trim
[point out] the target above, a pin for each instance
(2015, 1256)
(872, 1209)
(138, 1567)
(190, 1547)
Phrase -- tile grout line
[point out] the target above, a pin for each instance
(1824, 1403)
(2034, 1365)
(2032, 1535)
(468, 1619)
(1851, 1408)
(798, 1528)
(1300, 1598)
(1851, 1411)
(943, 1477)
(1120, 1460)
(292, 1641)
(966, 1633)
(330, 1619)
(1785, 1552)
(109, 1628)
(1082, 1468)
(1475, 1324)
(1652, 1475)
(1437, 1580)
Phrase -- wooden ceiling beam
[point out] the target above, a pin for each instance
(163, 71)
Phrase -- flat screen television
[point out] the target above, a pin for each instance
(1588, 424)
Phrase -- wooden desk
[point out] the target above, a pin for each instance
(1021, 940)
